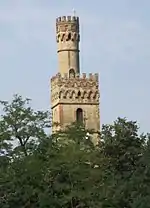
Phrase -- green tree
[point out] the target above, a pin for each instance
(121, 149)
(53, 176)
(21, 126)
(122, 146)
(21, 131)
(66, 169)
(71, 172)
(140, 181)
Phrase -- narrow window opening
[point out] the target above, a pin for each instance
(79, 115)
(71, 73)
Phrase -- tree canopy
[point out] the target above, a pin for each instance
(65, 170)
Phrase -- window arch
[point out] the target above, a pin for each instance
(71, 73)
(79, 115)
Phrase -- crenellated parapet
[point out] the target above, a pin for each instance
(84, 77)
(67, 23)
(67, 28)
(80, 89)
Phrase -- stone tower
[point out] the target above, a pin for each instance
(73, 97)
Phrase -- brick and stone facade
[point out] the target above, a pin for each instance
(73, 95)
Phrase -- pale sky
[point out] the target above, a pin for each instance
(115, 41)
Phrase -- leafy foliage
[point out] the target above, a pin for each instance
(65, 170)
(140, 181)
(20, 124)
(122, 146)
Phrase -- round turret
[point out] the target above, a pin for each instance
(68, 37)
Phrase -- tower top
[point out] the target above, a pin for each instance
(67, 23)
(67, 19)
(67, 38)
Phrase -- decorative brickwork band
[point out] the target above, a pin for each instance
(83, 94)
(75, 89)
(66, 36)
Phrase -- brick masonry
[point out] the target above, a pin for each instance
(69, 89)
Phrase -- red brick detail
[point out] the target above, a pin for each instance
(61, 114)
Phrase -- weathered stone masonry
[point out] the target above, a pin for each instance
(73, 97)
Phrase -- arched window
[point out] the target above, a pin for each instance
(71, 73)
(79, 115)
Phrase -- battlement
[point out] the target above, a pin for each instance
(67, 19)
(84, 77)
(75, 89)
(67, 24)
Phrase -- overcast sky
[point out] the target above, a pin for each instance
(115, 41)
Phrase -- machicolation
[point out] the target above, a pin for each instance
(82, 87)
